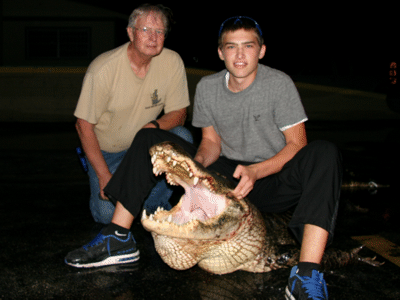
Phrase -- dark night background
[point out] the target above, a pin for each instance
(44, 211)
(338, 45)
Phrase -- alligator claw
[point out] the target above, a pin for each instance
(371, 261)
(368, 260)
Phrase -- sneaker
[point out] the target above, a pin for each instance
(104, 250)
(302, 288)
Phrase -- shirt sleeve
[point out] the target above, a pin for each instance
(92, 101)
(288, 110)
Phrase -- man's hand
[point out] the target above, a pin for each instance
(149, 125)
(93, 153)
(248, 176)
(103, 181)
(170, 120)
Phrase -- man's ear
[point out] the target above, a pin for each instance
(221, 54)
(129, 30)
(262, 51)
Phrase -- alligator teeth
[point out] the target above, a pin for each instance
(190, 174)
(153, 158)
(168, 159)
(155, 170)
(186, 166)
(195, 180)
(151, 217)
(169, 218)
(144, 215)
(174, 163)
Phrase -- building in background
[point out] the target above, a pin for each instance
(56, 33)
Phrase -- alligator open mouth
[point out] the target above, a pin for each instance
(204, 200)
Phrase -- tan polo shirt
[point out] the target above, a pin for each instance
(119, 103)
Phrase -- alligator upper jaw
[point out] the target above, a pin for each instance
(181, 169)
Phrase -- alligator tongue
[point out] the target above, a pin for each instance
(198, 203)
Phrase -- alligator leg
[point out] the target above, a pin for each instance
(288, 256)
(334, 258)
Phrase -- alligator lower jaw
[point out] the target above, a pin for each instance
(166, 227)
(170, 223)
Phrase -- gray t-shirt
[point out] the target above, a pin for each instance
(250, 123)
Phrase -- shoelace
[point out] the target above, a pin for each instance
(97, 240)
(313, 285)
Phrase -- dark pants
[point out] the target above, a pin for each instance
(310, 182)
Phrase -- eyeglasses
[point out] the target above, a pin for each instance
(239, 19)
(149, 31)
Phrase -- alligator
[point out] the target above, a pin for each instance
(217, 231)
(358, 185)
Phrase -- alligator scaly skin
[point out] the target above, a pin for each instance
(212, 228)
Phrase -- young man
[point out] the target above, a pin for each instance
(124, 90)
(253, 132)
(253, 114)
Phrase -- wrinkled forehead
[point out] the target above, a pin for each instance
(151, 19)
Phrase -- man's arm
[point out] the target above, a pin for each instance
(93, 153)
(170, 120)
(295, 140)
(210, 147)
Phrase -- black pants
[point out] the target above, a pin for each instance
(310, 182)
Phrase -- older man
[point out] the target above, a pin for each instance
(125, 90)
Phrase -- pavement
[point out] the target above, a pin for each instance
(44, 214)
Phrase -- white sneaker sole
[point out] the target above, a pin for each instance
(112, 260)
(288, 294)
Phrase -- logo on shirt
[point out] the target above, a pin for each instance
(256, 117)
(155, 99)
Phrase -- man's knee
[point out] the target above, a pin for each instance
(101, 210)
(325, 150)
(143, 134)
(324, 146)
(318, 157)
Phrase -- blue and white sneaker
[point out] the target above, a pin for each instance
(104, 250)
(304, 287)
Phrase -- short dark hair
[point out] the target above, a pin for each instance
(240, 22)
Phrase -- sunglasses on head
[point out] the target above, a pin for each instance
(239, 19)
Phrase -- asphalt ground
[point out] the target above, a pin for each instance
(44, 214)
